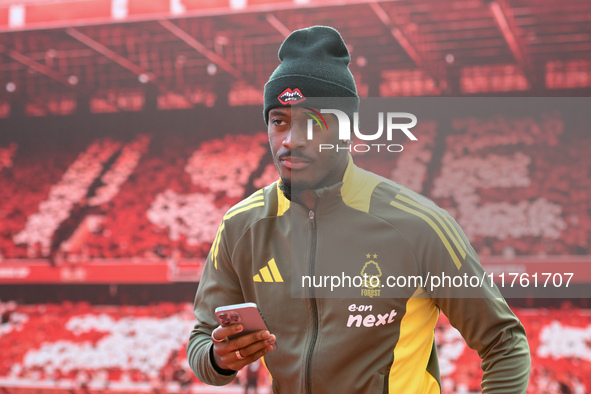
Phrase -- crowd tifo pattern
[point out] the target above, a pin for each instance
(517, 186)
(127, 347)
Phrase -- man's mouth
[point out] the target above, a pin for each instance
(294, 163)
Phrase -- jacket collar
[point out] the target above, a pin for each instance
(355, 189)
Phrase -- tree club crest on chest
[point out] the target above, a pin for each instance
(371, 273)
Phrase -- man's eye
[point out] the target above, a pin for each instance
(279, 122)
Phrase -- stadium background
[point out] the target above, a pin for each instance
(128, 127)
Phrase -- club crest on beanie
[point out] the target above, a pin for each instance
(314, 64)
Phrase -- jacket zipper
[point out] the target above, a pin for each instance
(312, 226)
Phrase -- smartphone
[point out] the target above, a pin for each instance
(247, 314)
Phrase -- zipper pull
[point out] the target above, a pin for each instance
(312, 221)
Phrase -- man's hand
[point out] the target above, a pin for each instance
(235, 354)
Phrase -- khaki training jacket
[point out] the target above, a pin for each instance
(370, 335)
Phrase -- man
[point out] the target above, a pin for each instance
(327, 216)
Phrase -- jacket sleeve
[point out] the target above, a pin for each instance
(479, 313)
(218, 286)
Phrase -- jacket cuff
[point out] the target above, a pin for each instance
(221, 371)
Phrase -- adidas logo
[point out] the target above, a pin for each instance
(269, 273)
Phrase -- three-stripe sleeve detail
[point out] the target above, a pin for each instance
(442, 227)
(254, 201)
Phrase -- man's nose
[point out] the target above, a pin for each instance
(297, 136)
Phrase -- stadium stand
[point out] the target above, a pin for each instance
(511, 184)
(71, 189)
(133, 347)
(122, 345)
(411, 169)
(26, 183)
(6, 155)
(518, 186)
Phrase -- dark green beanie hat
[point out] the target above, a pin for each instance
(314, 64)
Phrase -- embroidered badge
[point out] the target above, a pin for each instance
(291, 96)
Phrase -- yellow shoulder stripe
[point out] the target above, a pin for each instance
(258, 196)
(434, 227)
(256, 200)
(244, 209)
(454, 230)
(437, 216)
(216, 244)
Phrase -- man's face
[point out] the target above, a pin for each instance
(300, 163)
